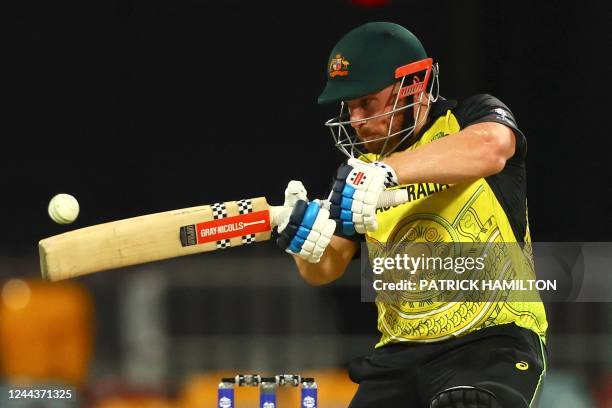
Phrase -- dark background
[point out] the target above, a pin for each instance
(143, 106)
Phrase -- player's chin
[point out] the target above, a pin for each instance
(374, 146)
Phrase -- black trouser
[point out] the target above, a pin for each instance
(506, 360)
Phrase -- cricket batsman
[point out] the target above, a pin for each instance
(463, 166)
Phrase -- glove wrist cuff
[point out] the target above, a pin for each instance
(391, 179)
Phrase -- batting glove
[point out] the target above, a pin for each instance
(355, 193)
(308, 230)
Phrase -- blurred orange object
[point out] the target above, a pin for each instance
(45, 331)
(135, 402)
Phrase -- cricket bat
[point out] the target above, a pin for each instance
(166, 235)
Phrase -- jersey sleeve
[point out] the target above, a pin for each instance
(486, 108)
(509, 185)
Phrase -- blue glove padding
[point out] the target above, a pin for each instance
(308, 232)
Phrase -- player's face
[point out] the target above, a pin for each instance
(370, 130)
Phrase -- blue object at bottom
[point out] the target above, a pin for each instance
(309, 398)
(225, 398)
(267, 399)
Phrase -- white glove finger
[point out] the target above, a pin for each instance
(369, 218)
(357, 218)
(304, 254)
(323, 242)
(323, 212)
(329, 229)
(372, 226)
(313, 236)
(308, 245)
(318, 251)
(368, 210)
(316, 242)
(321, 219)
(357, 207)
(327, 234)
(314, 259)
(360, 228)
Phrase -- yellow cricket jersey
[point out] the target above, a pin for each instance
(491, 209)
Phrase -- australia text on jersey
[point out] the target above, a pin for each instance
(418, 191)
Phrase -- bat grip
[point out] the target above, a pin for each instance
(279, 215)
(390, 198)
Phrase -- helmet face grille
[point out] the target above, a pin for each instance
(344, 135)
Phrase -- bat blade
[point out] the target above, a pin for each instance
(167, 235)
(155, 237)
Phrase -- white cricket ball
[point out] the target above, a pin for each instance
(63, 208)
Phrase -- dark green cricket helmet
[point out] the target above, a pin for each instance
(364, 60)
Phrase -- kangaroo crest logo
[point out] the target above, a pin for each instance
(338, 66)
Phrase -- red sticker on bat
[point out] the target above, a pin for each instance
(231, 227)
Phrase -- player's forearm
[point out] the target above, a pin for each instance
(467, 155)
(332, 264)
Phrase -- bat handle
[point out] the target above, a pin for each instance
(279, 214)
(388, 198)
